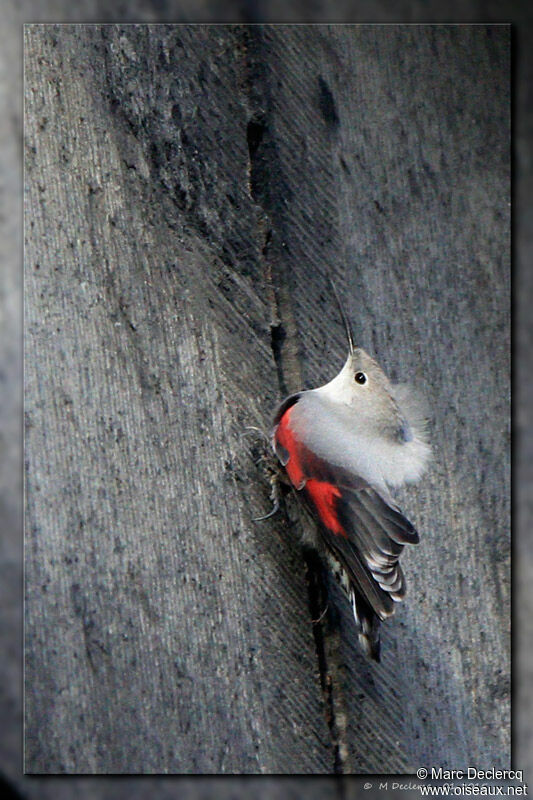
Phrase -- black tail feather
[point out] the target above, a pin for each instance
(366, 620)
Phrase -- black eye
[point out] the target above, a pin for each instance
(360, 377)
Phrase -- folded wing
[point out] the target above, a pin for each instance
(363, 530)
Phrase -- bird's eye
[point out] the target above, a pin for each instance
(360, 377)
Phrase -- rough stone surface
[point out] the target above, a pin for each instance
(188, 190)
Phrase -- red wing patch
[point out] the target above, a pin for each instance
(321, 493)
(323, 496)
(284, 436)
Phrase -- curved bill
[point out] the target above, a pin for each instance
(345, 320)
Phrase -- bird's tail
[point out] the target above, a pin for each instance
(367, 624)
(366, 620)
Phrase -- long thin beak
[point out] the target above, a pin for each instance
(345, 320)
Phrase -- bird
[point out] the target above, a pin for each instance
(343, 447)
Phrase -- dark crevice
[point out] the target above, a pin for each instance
(259, 162)
(277, 337)
(315, 573)
(317, 584)
(268, 238)
(254, 134)
(270, 191)
(326, 103)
